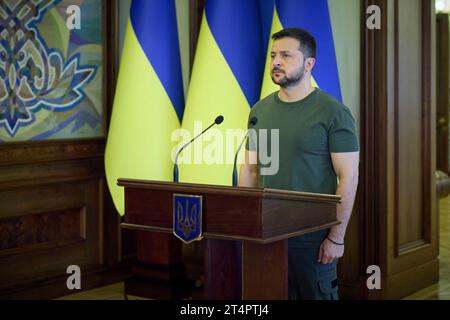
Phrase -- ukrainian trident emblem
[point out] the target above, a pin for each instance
(187, 217)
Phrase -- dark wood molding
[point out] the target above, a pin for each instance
(442, 91)
(219, 236)
(396, 128)
(22, 153)
(55, 286)
(241, 191)
(427, 127)
(110, 56)
(373, 117)
(426, 165)
(112, 244)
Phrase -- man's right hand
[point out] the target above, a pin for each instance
(248, 175)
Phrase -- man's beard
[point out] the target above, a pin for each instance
(286, 81)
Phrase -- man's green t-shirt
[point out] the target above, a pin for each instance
(309, 130)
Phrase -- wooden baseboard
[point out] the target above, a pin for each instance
(396, 286)
(56, 286)
(403, 284)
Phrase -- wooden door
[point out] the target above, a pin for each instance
(398, 220)
(442, 91)
(411, 234)
(395, 222)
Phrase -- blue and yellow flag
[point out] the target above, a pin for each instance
(313, 16)
(226, 80)
(149, 101)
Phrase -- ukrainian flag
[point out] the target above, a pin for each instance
(149, 101)
(226, 79)
(313, 16)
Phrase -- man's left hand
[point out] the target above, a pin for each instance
(329, 252)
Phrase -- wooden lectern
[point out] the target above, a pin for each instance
(246, 230)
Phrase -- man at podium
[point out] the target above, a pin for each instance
(318, 152)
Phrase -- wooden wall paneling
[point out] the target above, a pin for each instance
(50, 212)
(119, 244)
(442, 84)
(412, 109)
(373, 158)
(412, 105)
(399, 216)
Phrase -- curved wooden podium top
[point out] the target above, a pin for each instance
(236, 213)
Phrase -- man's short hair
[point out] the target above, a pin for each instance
(307, 41)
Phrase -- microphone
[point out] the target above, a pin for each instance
(218, 120)
(251, 123)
